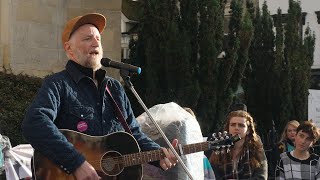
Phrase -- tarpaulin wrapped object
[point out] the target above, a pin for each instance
(179, 124)
(17, 160)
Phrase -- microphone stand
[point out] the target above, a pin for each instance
(125, 74)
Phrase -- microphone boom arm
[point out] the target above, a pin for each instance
(125, 74)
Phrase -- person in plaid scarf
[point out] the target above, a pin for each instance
(300, 163)
(247, 159)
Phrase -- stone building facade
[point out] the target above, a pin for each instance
(30, 36)
(309, 9)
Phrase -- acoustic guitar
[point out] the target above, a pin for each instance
(115, 156)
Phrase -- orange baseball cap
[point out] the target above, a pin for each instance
(72, 25)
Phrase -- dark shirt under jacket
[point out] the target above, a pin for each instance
(68, 98)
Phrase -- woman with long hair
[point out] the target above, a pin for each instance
(247, 158)
(286, 143)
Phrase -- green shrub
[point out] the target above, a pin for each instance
(16, 94)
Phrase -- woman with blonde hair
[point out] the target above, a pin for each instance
(286, 143)
(288, 135)
(247, 158)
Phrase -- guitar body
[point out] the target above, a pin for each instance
(98, 150)
(114, 156)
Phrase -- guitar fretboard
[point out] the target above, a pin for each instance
(150, 156)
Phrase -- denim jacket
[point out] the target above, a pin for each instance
(70, 98)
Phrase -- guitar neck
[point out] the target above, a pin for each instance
(150, 156)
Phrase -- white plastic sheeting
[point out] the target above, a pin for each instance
(176, 123)
(17, 160)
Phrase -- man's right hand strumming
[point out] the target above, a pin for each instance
(86, 172)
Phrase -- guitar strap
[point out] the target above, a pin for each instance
(118, 112)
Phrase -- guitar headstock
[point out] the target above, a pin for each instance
(221, 142)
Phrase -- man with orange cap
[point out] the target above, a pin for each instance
(77, 99)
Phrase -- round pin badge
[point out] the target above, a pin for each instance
(82, 126)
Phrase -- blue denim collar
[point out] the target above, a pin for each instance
(77, 72)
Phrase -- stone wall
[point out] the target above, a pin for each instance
(30, 36)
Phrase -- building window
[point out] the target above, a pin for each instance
(125, 53)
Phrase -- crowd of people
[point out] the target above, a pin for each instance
(292, 157)
(300, 163)
(83, 99)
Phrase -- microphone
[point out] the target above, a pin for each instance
(106, 62)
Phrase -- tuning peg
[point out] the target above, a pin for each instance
(219, 134)
(228, 150)
(217, 152)
(222, 151)
(225, 135)
(214, 135)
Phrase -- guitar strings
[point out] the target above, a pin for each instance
(131, 159)
(123, 160)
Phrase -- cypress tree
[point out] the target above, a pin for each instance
(189, 25)
(150, 52)
(208, 65)
(293, 66)
(309, 46)
(293, 45)
(138, 57)
(142, 49)
(189, 21)
(304, 76)
(163, 51)
(245, 37)
(261, 61)
(183, 87)
(282, 91)
(227, 65)
(250, 80)
(268, 37)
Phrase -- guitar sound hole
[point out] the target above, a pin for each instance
(111, 163)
